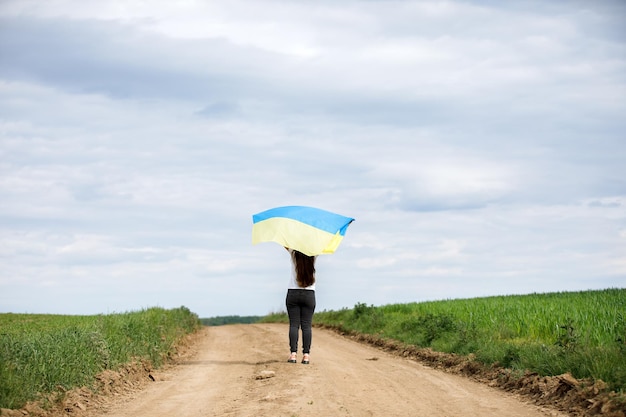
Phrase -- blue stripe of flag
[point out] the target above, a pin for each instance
(321, 219)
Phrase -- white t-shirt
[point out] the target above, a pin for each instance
(293, 282)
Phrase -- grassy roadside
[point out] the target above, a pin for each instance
(583, 333)
(40, 354)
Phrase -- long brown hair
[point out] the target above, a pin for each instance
(305, 268)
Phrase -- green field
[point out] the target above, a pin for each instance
(583, 333)
(39, 354)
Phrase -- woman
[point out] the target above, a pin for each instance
(301, 303)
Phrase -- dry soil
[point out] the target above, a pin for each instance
(242, 370)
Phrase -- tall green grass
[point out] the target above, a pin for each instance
(583, 333)
(41, 353)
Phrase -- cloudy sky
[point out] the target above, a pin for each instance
(480, 145)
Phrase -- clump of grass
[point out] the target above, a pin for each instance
(275, 317)
(583, 333)
(42, 353)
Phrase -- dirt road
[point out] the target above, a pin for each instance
(242, 370)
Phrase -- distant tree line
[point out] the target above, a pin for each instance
(221, 320)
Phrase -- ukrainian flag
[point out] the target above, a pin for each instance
(309, 230)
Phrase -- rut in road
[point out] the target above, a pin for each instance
(242, 370)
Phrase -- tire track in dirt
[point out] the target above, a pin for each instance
(241, 370)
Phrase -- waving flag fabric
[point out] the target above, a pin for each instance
(309, 230)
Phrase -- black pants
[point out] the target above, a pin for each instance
(300, 307)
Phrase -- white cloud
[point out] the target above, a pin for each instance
(479, 147)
